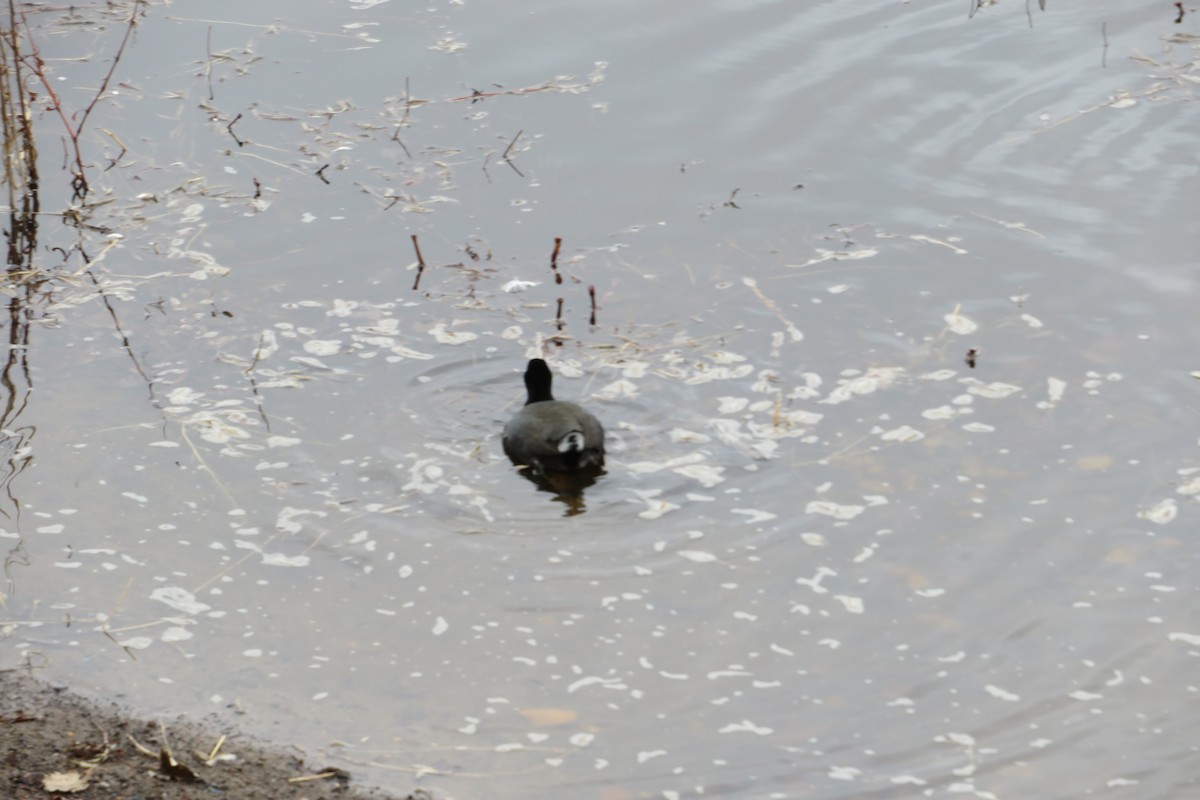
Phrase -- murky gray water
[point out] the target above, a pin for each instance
(830, 559)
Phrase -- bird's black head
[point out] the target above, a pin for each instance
(537, 381)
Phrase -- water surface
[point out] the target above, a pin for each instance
(830, 558)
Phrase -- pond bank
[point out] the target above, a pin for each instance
(50, 733)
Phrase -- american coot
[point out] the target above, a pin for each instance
(553, 435)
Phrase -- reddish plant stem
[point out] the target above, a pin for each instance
(554, 260)
(37, 65)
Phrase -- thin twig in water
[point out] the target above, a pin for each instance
(125, 343)
(229, 128)
(258, 400)
(204, 465)
(555, 85)
(420, 262)
(279, 164)
(773, 307)
(404, 119)
(508, 149)
(262, 339)
(120, 144)
(554, 259)
(399, 141)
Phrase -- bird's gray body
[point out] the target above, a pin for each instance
(555, 435)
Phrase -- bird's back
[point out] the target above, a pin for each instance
(556, 435)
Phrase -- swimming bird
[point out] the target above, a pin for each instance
(552, 435)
